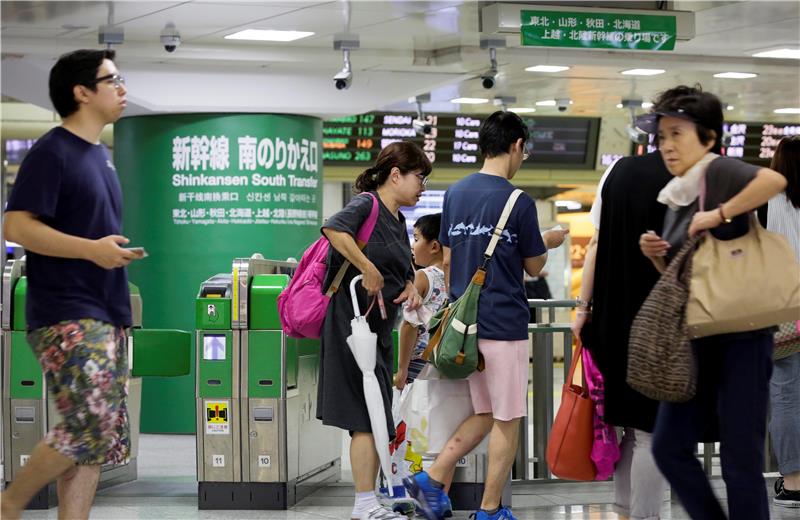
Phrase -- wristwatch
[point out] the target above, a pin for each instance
(583, 304)
(722, 216)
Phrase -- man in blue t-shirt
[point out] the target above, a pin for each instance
(472, 208)
(66, 210)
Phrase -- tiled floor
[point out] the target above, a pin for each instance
(167, 490)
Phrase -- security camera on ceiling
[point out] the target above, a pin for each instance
(563, 104)
(343, 79)
(170, 37)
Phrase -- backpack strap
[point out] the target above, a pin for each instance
(362, 237)
(501, 224)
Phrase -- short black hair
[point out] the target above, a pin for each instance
(429, 226)
(499, 131)
(75, 68)
(702, 108)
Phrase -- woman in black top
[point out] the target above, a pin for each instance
(397, 179)
(733, 370)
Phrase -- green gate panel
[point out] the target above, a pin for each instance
(26, 373)
(18, 317)
(216, 376)
(219, 319)
(174, 170)
(164, 353)
(264, 291)
(264, 363)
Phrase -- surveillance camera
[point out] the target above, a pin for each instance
(343, 79)
(421, 127)
(636, 135)
(563, 104)
(170, 37)
(488, 79)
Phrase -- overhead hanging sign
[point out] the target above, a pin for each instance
(598, 30)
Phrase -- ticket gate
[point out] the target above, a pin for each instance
(29, 410)
(259, 444)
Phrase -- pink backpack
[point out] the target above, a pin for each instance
(605, 449)
(302, 305)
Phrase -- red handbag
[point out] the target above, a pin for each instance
(569, 450)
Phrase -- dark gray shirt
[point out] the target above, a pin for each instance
(725, 177)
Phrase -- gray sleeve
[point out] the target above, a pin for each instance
(350, 218)
(725, 178)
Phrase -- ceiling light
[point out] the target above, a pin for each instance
(729, 107)
(642, 72)
(647, 104)
(787, 111)
(547, 68)
(735, 75)
(546, 103)
(784, 53)
(469, 100)
(522, 110)
(619, 105)
(263, 35)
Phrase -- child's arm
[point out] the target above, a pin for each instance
(409, 335)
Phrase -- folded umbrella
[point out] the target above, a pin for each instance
(363, 344)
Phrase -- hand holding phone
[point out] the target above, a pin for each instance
(138, 251)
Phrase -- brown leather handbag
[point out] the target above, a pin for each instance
(660, 360)
(570, 446)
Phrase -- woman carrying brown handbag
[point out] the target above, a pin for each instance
(733, 370)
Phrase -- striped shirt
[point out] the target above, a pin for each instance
(784, 218)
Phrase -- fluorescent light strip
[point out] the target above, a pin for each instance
(522, 110)
(787, 111)
(785, 53)
(546, 103)
(469, 100)
(264, 35)
(735, 75)
(642, 72)
(547, 68)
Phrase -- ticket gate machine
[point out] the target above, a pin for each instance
(259, 444)
(28, 410)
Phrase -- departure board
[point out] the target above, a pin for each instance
(556, 142)
(753, 143)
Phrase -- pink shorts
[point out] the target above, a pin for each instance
(502, 387)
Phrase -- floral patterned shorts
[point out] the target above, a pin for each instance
(86, 366)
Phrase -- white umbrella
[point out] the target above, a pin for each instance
(363, 344)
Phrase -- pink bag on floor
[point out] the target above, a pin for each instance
(605, 448)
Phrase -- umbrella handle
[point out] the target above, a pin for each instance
(353, 296)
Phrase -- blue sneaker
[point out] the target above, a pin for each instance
(504, 513)
(447, 508)
(432, 500)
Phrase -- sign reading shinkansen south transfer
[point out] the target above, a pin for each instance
(598, 30)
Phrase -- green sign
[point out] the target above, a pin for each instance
(200, 190)
(597, 30)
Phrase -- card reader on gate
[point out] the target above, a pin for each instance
(218, 286)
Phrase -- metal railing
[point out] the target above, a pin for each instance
(542, 339)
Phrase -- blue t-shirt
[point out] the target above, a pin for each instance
(472, 207)
(71, 185)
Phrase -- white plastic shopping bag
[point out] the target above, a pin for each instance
(433, 409)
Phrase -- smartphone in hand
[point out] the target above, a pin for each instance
(138, 251)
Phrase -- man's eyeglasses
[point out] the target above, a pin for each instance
(116, 79)
(422, 179)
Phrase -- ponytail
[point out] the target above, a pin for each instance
(404, 155)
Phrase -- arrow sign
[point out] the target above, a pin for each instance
(214, 347)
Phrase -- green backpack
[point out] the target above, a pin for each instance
(453, 345)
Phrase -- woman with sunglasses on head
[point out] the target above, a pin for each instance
(733, 370)
(397, 179)
(783, 216)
